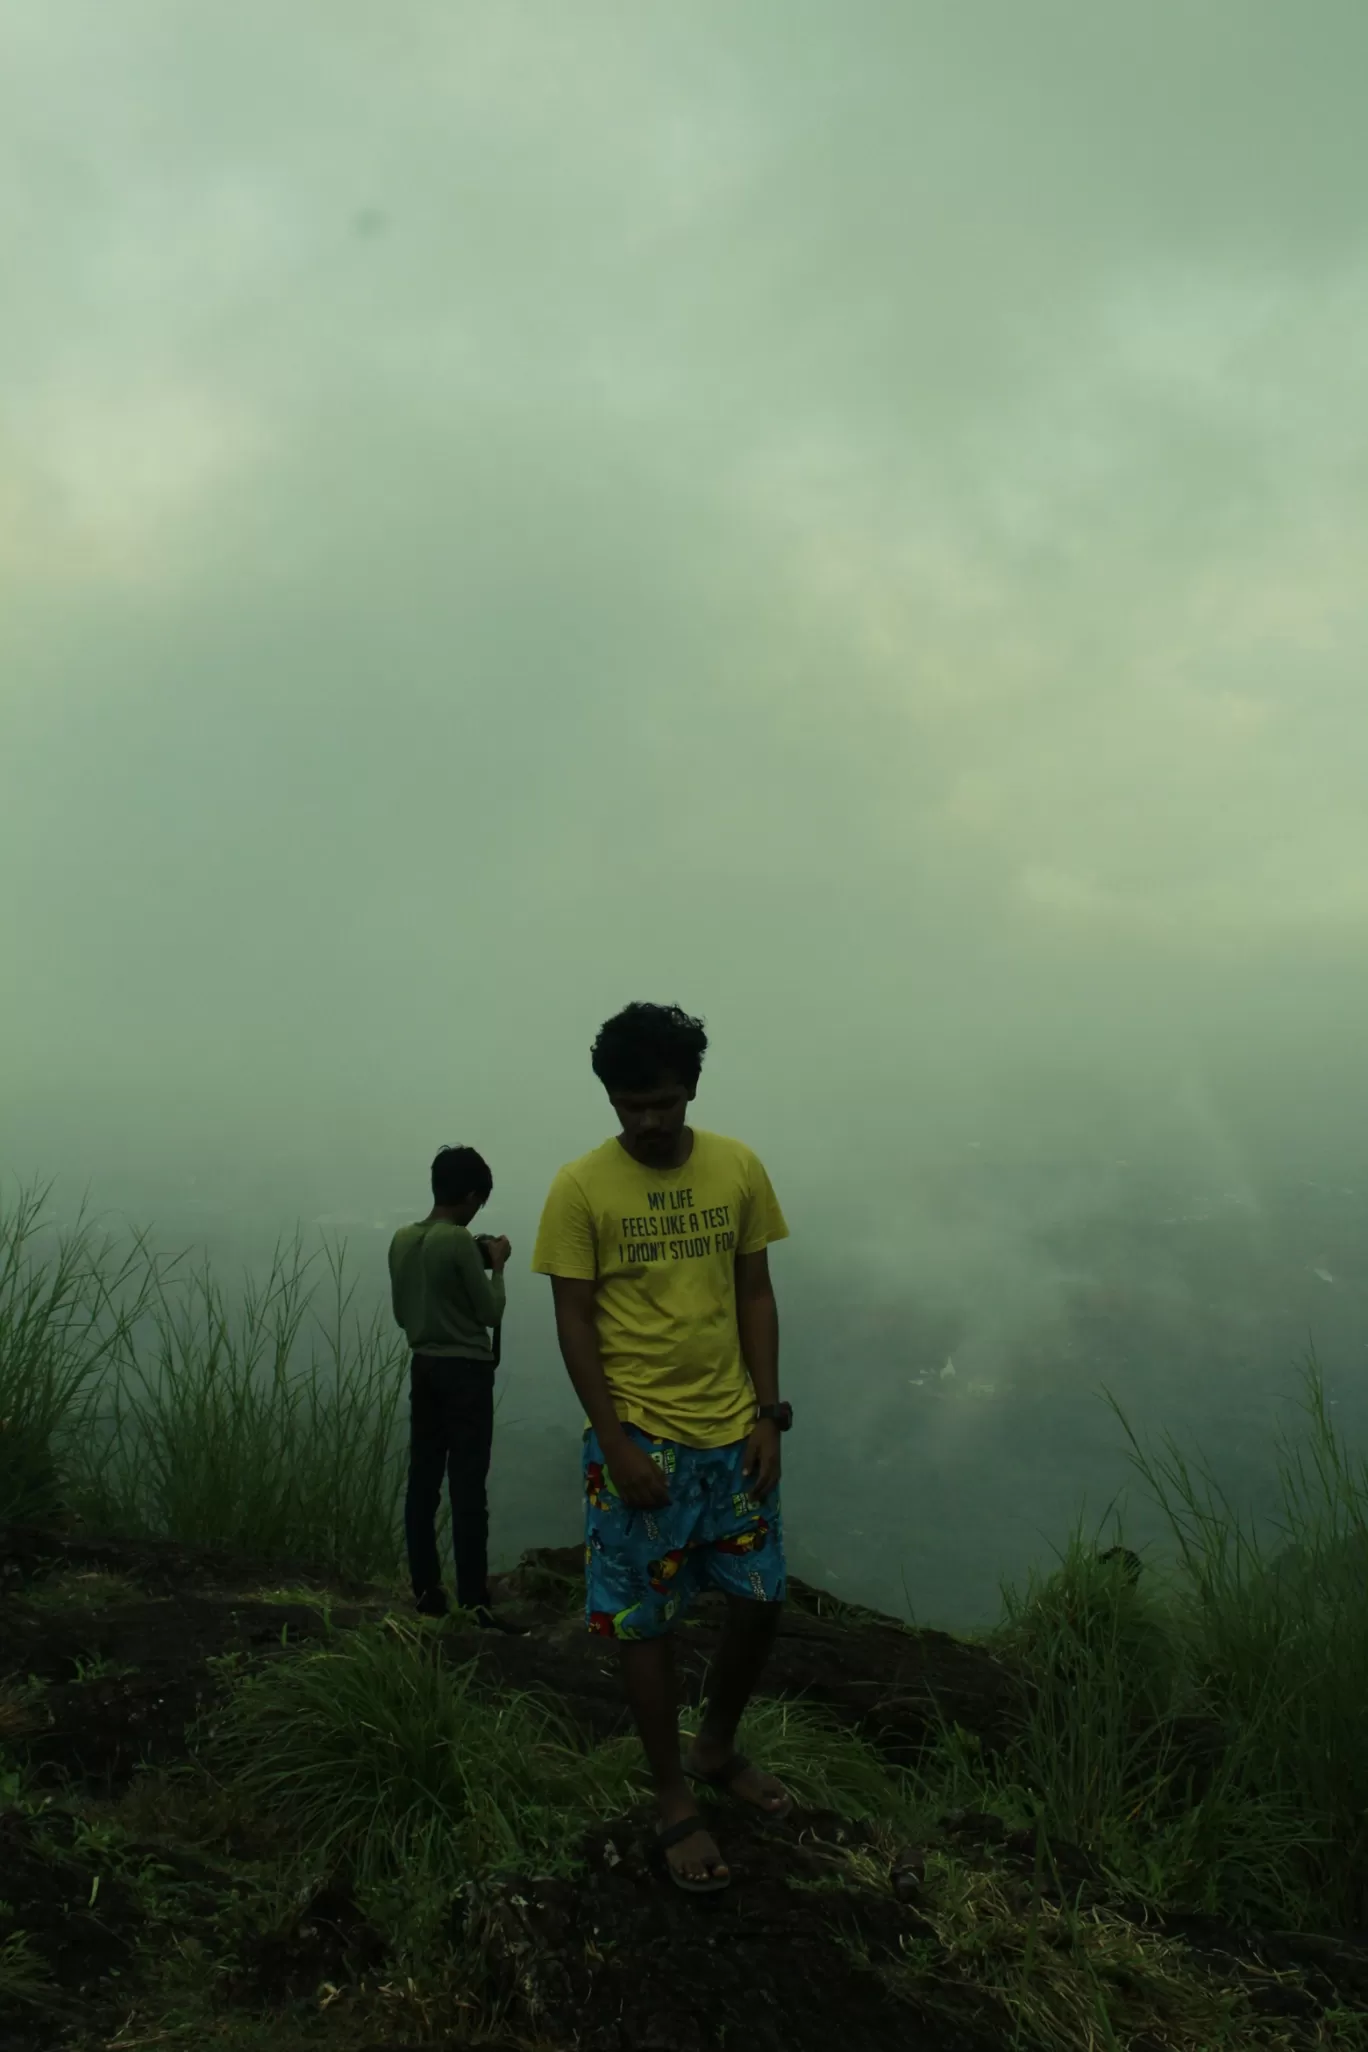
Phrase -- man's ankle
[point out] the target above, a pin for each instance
(675, 1798)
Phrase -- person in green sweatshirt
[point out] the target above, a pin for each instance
(446, 1305)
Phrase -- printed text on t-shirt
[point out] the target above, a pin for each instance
(675, 1229)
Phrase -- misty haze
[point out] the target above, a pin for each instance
(851, 520)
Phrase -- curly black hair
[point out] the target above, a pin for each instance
(458, 1173)
(644, 1043)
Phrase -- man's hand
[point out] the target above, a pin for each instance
(761, 1463)
(498, 1251)
(635, 1476)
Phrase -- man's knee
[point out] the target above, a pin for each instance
(425, 1477)
(757, 1616)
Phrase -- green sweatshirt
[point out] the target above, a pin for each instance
(440, 1292)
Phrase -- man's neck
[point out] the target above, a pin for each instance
(661, 1161)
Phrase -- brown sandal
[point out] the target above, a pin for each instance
(727, 1774)
(675, 1834)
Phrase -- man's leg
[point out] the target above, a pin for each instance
(744, 1558)
(638, 1577)
(470, 1438)
(427, 1464)
(748, 1636)
(648, 1673)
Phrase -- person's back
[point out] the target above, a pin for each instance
(441, 1296)
(446, 1304)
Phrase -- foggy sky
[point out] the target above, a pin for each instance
(851, 518)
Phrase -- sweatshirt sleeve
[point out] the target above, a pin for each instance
(485, 1292)
(394, 1286)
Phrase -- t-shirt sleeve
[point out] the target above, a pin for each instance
(566, 1243)
(761, 1219)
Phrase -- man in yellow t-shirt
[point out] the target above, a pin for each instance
(656, 1246)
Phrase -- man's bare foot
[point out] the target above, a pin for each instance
(706, 1757)
(695, 1858)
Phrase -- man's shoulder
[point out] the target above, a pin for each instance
(450, 1230)
(588, 1168)
(429, 1232)
(724, 1148)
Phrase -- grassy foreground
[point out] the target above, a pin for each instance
(1182, 1766)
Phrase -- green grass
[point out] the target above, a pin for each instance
(1274, 1639)
(272, 1429)
(826, 1766)
(68, 1304)
(25, 1982)
(390, 1763)
(387, 1761)
(1200, 1736)
(1073, 1979)
(134, 1392)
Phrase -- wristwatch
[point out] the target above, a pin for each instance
(782, 1414)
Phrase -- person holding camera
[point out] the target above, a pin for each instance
(446, 1305)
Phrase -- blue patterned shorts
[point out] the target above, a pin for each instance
(642, 1568)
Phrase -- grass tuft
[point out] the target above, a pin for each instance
(271, 1430)
(1072, 1979)
(393, 1766)
(68, 1305)
(1199, 1739)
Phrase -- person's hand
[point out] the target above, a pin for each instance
(499, 1251)
(635, 1476)
(761, 1462)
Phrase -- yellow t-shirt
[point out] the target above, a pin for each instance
(660, 1244)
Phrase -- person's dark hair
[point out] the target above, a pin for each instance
(459, 1172)
(1130, 1564)
(642, 1043)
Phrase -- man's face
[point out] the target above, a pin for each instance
(652, 1120)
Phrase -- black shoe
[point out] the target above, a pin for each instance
(486, 1620)
(433, 1603)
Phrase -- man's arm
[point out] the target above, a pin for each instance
(757, 1322)
(639, 1481)
(577, 1331)
(486, 1293)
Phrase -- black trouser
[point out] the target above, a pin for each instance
(451, 1407)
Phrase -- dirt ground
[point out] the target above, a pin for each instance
(109, 1653)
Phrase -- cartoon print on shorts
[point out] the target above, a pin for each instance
(660, 1573)
(613, 1624)
(636, 1584)
(752, 1541)
(598, 1485)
